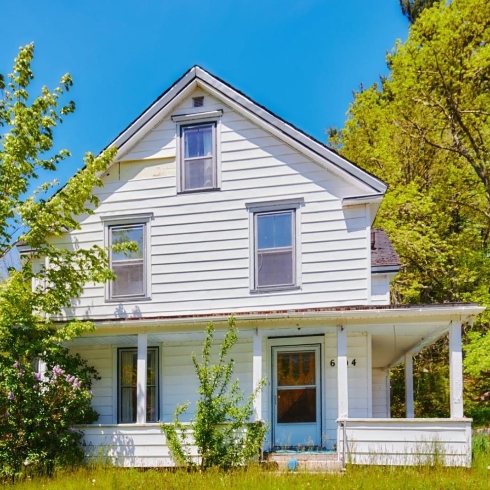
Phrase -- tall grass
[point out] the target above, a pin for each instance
(356, 477)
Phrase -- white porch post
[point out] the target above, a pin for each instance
(257, 372)
(342, 384)
(409, 407)
(141, 379)
(455, 370)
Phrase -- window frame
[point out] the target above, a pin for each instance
(257, 209)
(196, 119)
(143, 220)
(119, 387)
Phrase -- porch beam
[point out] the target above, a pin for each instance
(421, 344)
(141, 378)
(257, 372)
(342, 379)
(409, 405)
(455, 370)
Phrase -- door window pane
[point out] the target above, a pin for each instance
(296, 368)
(296, 405)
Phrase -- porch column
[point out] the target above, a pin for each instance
(455, 370)
(342, 384)
(409, 407)
(257, 372)
(141, 379)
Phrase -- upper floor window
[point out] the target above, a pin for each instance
(275, 244)
(198, 157)
(128, 265)
(274, 251)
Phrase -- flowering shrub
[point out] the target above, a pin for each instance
(39, 412)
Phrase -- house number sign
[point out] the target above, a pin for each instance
(351, 363)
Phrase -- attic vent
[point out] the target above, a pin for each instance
(197, 101)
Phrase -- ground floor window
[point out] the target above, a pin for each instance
(127, 382)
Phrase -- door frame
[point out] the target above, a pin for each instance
(297, 343)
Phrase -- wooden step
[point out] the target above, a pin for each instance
(305, 461)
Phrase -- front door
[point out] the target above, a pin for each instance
(296, 396)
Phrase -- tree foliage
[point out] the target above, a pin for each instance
(425, 131)
(222, 430)
(411, 9)
(27, 331)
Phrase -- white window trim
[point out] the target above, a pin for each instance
(130, 219)
(255, 208)
(183, 120)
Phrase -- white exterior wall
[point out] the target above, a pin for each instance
(200, 247)
(380, 289)
(407, 441)
(381, 394)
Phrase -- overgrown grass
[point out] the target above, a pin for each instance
(356, 477)
(373, 477)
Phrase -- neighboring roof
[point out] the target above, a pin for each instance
(383, 255)
(198, 77)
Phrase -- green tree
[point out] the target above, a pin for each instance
(411, 9)
(27, 332)
(425, 131)
(222, 430)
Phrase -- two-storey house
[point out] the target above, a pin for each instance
(236, 211)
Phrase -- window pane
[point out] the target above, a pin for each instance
(296, 406)
(295, 368)
(130, 278)
(198, 141)
(274, 230)
(198, 173)
(127, 234)
(127, 381)
(275, 268)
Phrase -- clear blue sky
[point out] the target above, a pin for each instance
(301, 59)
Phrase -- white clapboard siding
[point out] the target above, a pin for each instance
(381, 395)
(407, 441)
(101, 358)
(179, 380)
(380, 289)
(199, 253)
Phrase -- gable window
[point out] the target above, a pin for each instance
(198, 157)
(127, 383)
(129, 265)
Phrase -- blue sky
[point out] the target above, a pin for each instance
(301, 59)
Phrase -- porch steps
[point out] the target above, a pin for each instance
(307, 462)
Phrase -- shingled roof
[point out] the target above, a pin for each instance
(383, 255)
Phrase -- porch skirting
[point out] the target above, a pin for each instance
(405, 441)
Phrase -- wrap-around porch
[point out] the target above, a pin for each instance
(325, 372)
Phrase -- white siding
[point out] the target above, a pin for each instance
(380, 289)
(101, 357)
(407, 441)
(199, 251)
(381, 395)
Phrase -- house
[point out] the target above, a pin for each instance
(236, 211)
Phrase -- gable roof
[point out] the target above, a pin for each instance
(198, 77)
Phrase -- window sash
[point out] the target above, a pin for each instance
(127, 383)
(130, 268)
(198, 171)
(275, 266)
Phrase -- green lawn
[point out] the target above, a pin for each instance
(375, 478)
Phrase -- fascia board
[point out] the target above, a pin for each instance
(295, 138)
(151, 121)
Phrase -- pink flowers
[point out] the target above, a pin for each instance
(57, 371)
(75, 381)
(38, 376)
(11, 396)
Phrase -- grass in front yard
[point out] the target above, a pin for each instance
(356, 477)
